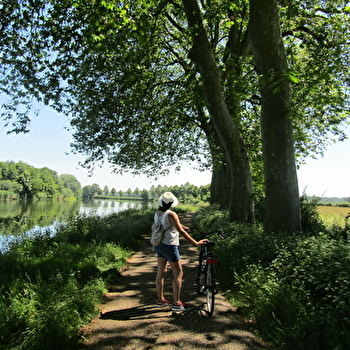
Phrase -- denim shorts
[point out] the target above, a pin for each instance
(170, 252)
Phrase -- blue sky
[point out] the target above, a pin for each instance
(47, 145)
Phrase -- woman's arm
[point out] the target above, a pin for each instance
(175, 221)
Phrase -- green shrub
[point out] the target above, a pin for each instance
(274, 306)
(295, 287)
(50, 286)
(300, 301)
(123, 228)
(311, 222)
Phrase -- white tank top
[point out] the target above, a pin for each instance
(171, 234)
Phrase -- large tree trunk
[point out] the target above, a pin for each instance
(281, 184)
(241, 203)
(220, 187)
(220, 181)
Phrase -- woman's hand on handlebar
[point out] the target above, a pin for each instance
(202, 241)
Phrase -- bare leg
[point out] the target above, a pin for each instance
(176, 267)
(161, 270)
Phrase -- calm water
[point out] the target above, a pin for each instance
(21, 218)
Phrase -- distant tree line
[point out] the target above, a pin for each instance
(19, 180)
(186, 193)
(22, 181)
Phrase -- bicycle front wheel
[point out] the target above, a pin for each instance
(210, 289)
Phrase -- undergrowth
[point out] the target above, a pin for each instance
(51, 285)
(296, 287)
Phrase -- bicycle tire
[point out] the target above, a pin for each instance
(210, 289)
(200, 277)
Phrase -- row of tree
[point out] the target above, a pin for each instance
(186, 193)
(245, 87)
(20, 180)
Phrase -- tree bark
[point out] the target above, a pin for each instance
(281, 184)
(241, 201)
(220, 180)
(220, 187)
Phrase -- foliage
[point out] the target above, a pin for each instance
(186, 193)
(50, 286)
(295, 288)
(317, 32)
(124, 228)
(333, 200)
(124, 73)
(25, 181)
(91, 191)
(311, 221)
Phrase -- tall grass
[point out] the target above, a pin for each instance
(295, 287)
(50, 286)
(333, 216)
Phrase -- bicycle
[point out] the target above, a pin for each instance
(205, 280)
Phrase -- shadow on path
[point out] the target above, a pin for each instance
(129, 318)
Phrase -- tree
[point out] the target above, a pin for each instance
(137, 192)
(96, 189)
(132, 131)
(144, 195)
(71, 182)
(241, 203)
(105, 191)
(122, 71)
(90, 191)
(87, 192)
(281, 184)
(47, 181)
(44, 183)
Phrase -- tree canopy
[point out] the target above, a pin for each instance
(25, 181)
(127, 75)
(121, 71)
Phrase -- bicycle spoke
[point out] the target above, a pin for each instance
(210, 289)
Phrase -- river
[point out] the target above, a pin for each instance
(21, 218)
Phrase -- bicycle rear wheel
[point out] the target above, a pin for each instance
(200, 274)
(210, 289)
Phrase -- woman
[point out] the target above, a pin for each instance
(168, 251)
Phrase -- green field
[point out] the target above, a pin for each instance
(333, 215)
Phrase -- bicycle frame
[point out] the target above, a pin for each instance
(206, 282)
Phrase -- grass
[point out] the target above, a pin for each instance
(51, 286)
(333, 215)
(296, 288)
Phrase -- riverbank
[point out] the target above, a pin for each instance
(50, 286)
(294, 287)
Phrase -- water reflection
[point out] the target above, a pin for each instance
(104, 207)
(22, 219)
(17, 217)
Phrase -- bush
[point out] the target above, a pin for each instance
(311, 222)
(301, 300)
(123, 228)
(50, 286)
(8, 195)
(295, 287)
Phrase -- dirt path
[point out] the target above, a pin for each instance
(130, 320)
